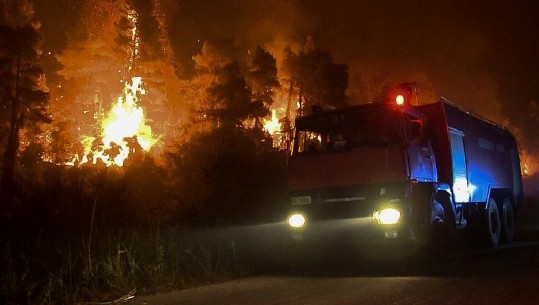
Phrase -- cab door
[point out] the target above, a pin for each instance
(421, 162)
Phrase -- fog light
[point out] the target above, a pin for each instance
(391, 234)
(296, 220)
(387, 216)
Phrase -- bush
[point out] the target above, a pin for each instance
(94, 233)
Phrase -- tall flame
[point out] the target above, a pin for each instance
(124, 129)
(529, 165)
(272, 125)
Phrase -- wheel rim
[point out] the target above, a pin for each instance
(508, 221)
(437, 213)
(494, 226)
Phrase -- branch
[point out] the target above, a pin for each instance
(130, 295)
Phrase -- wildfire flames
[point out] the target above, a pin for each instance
(272, 125)
(124, 130)
(529, 165)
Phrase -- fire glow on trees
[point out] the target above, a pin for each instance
(123, 130)
(529, 166)
(276, 129)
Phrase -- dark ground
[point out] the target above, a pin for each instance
(472, 275)
(506, 276)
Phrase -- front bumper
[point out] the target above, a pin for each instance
(364, 229)
(359, 238)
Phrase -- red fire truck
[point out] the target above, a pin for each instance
(402, 172)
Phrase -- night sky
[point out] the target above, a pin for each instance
(483, 55)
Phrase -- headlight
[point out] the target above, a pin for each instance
(388, 216)
(296, 220)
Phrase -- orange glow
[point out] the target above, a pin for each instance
(132, 17)
(123, 130)
(529, 165)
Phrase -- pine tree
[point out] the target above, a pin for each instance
(23, 95)
(315, 79)
(236, 92)
(262, 78)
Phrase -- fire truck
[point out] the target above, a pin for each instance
(395, 171)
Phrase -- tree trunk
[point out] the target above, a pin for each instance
(10, 155)
(289, 131)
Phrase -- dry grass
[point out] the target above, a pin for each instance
(75, 271)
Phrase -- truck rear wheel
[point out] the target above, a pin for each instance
(508, 221)
(493, 224)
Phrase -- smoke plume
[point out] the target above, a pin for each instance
(480, 55)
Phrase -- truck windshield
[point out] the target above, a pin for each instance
(371, 127)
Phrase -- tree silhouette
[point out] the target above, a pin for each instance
(235, 91)
(315, 79)
(229, 97)
(23, 95)
(262, 78)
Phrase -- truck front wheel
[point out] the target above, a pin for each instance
(441, 229)
(493, 224)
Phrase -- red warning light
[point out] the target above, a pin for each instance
(401, 95)
(399, 99)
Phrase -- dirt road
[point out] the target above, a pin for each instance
(507, 275)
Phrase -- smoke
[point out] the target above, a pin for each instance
(480, 55)
(449, 48)
(525, 126)
(16, 13)
(272, 25)
(103, 46)
(476, 54)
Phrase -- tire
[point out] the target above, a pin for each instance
(493, 224)
(508, 221)
(438, 213)
(440, 232)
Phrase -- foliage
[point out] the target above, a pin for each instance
(234, 91)
(234, 177)
(52, 270)
(229, 99)
(316, 79)
(23, 94)
(90, 232)
(262, 76)
(95, 233)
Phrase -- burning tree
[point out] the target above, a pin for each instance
(315, 79)
(229, 100)
(229, 159)
(262, 77)
(123, 130)
(127, 46)
(235, 92)
(24, 94)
